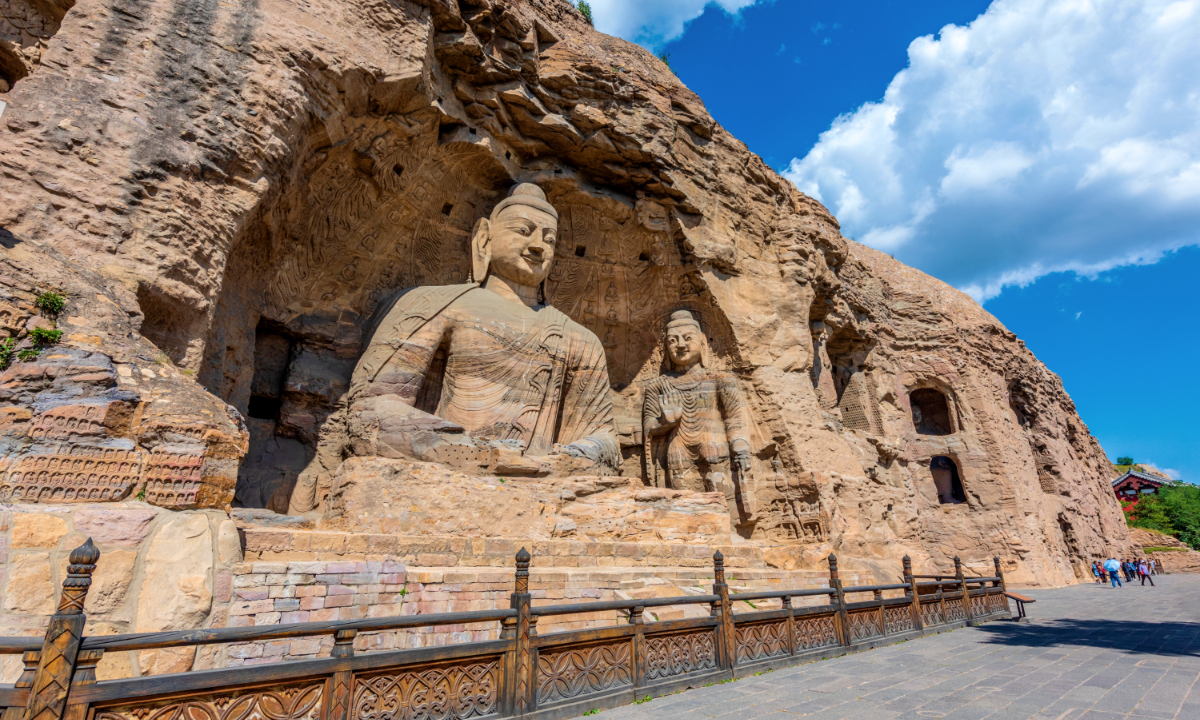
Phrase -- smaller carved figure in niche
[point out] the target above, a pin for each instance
(791, 509)
(694, 418)
(653, 217)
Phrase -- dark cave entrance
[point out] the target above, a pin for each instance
(930, 412)
(947, 480)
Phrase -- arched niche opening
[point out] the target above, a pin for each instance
(393, 205)
(947, 480)
(930, 412)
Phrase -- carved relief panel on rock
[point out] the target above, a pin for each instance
(74, 473)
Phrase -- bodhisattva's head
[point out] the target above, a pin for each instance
(517, 241)
(686, 343)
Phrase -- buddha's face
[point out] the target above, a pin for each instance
(522, 244)
(683, 345)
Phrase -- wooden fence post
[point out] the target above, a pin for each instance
(520, 680)
(791, 624)
(337, 704)
(639, 645)
(725, 614)
(56, 666)
(85, 674)
(914, 598)
(966, 594)
(835, 582)
(878, 596)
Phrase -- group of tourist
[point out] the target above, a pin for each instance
(1112, 569)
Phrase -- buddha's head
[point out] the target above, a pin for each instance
(517, 241)
(686, 343)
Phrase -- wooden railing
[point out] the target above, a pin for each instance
(522, 674)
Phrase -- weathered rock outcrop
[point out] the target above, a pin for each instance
(226, 192)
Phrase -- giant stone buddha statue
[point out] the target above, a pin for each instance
(483, 377)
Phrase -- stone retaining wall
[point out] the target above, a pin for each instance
(269, 544)
(168, 570)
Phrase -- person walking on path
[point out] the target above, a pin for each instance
(1127, 570)
(1145, 573)
(1096, 572)
(1114, 572)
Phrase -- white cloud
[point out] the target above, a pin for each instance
(1047, 135)
(654, 23)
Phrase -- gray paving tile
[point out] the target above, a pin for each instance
(1082, 657)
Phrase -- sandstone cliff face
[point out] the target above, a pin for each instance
(225, 192)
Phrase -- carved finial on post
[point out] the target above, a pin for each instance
(833, 568)
(64, 633)
(79, 578)
(718, 568)
(958, 571)
(523, 570)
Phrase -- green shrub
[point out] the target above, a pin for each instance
(585, 9)
(1125, 460)
(45, 336)
(28, 354)
(6, 352)
(51, 303)
(1175, 510)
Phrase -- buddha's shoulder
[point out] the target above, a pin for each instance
(423, 301)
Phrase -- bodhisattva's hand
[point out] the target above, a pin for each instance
(671, 402)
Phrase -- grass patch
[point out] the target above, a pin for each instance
(45, 336)
(1163, 549)
(7, 347)
(51, 303)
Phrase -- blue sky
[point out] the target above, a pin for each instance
(1041, 155)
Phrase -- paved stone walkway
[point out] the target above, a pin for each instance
(1090, 652)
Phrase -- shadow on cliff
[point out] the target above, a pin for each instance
(7, 239)
(1132, 636)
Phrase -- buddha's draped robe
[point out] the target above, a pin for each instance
(714, 416)
(510, 372)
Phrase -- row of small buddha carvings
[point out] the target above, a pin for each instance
(457, 374)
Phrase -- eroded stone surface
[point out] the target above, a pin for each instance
(339, 153)
(176, 593)
(115, 526)
(29, 589)
(399, 497)
(37, 530)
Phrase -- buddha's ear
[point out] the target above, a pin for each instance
(705, 351)
(481, 250)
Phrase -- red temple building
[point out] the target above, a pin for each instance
(1134, 484)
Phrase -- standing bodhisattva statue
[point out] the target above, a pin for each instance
(459, 374)
(701, 413)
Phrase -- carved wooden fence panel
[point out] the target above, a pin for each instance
(523, 674)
